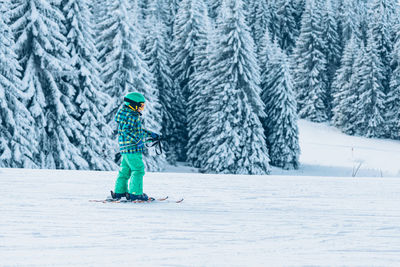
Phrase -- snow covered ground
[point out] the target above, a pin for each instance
(328, 152)
(317, 216)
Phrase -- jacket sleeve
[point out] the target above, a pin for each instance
(148, 133)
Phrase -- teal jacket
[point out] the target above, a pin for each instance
(132, 136)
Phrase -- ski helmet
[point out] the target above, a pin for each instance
(134, 98)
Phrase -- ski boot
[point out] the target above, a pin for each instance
(117, 196)
(142, 197)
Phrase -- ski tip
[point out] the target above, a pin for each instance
(179, 201)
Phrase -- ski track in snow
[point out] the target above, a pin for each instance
(225, 220)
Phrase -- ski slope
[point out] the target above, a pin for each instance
(316, 216)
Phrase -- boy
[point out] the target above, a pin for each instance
(131, 144)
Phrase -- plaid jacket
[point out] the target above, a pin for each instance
(130, 131)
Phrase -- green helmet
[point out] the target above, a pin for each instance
(134, 97)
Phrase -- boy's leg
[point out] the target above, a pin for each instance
(121, 185)
(137, 172)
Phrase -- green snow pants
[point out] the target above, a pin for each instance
(132, 167)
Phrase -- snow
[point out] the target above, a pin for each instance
(293, 218)
(328, 152)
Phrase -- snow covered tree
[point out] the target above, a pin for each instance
(280, 124)
(259, 18)
(188, 30)
(46, 75)
(17, 137)
(88, 101)
(157, 57)
(214, 7)
(124, 68)
(285, 24)
(347, 20)
(332, 50)
(299, 6)
(174, 4)
(310, 66)
(392, 103)
(142, 10)
(264, 54)
(235, 131)
(382, 14)
(344, 89)
(200, 93)
(370, 105)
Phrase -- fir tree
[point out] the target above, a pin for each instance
(124, 68)
(363, 20)
(332, 50)
(393, 97)
(265, 51)
(94, 134)
(370, 105)
(199, 99)
(299, 6)
(347, 21)
(345, 94)
(188, 28)
(158, 59)
(310, 66)
(285, 25)
(280, 124)
(174, 5)
(142, 6)
(259, 19)
(382, 14)
(47, 73)
(17, 138)
(235, 131)
(214, 7)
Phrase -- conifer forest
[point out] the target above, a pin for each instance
(225, 81)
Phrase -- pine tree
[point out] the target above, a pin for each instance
(17, 138)
(347, 20)
(370, 105)
(199, 86)
(332, 49)
(235, 131)
(285, 25)
(299, 6)
(265, 51)
(143, 10)
(94, 134)
(393, 97)
(188, 26)
(124, 68)
(47, 73)
(259, 18)
(214, 7)
(158, 59)
(310, 66)
(174, 4)
(345, 94)
(280, 124)
(363, 20)
(382, 14)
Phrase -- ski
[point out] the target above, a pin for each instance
(151, 199)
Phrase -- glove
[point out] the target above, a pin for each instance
(155, 136)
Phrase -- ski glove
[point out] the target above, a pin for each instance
(155, 136)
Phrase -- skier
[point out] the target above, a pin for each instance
(131, 144)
